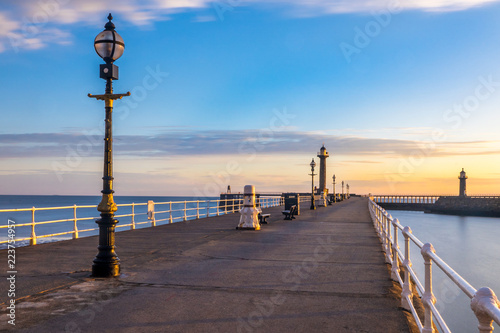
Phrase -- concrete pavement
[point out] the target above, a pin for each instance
(322, 272)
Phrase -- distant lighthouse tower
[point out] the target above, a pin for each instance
(323, 155)
(463, 188)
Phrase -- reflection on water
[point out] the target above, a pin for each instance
(470, 246)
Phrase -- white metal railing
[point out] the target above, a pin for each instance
(136, 214)
(420, 199)
(484, 302)
(405, 199)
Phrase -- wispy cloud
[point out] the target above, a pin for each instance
(215, 142)
(34, 24)
(321, 7)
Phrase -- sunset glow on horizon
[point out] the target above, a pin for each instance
(402, 94)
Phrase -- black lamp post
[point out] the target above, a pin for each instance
(313, 164)
(343, 190)
(334, 195)
(109, 46)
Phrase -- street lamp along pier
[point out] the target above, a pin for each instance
(109, 46)
(312, 164)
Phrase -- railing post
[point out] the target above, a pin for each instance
(395, 248)
(379, 211)
(387, 226)
(185, 207)
(132, 227)
(483, 299)
(208, 208)
(407, 294)
(197, 209)
(381, 225)
(225, 205)
(151, 212)
(377, 219)
(75, 227)
(428, 297)
(170, 220)
(33, 234)
(385, 240)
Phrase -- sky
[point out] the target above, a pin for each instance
(403, 94)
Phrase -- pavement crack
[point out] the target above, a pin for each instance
(335, 262)
(266, 291)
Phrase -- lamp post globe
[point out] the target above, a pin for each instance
(109, 46)
(312, 164)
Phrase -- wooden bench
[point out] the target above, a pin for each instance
(289, 214)
(263, 217)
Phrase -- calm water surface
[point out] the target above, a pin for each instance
(470, 245)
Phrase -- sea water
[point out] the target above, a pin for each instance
(470, 246)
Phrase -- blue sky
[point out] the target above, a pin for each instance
(402, 94)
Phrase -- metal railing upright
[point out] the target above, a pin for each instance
(484, 302)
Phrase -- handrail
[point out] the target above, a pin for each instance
(168, 212)
(484, 302)
(419, 199)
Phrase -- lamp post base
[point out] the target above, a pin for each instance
(105, 269)
(106, 263)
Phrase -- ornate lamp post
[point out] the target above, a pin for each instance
(313, 164)
(343, 190)
(109, 46)
(334, 195)
(347, 194)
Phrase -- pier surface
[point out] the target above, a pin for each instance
(322, 272)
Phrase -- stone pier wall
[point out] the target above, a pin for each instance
(452, 205)
(467, 206)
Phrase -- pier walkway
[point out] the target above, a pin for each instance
(322, 272)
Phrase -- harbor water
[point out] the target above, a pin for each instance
(467, 244)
